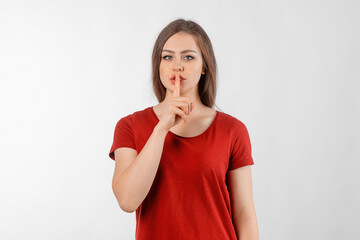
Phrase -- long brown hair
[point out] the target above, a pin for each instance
(207, 83)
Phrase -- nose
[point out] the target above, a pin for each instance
(178, 68)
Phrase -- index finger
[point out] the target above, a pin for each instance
(176, 92)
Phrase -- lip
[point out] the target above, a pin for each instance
(173, 78)
(173, 81)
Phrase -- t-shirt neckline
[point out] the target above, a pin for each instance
(197, 136)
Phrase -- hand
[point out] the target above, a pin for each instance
(176, 108)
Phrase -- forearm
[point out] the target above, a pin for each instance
(246, 226)
(135, 182)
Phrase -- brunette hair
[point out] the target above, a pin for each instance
(207, 83)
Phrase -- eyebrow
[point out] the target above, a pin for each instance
(185, 51)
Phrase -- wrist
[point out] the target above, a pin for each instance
(160, 129)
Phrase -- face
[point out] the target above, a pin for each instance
(181, 55)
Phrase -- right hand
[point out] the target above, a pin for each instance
(176, 109)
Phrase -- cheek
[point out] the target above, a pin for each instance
(162, 72)
(162, 68)
(196, 69)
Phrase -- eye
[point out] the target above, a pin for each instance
(165, 57)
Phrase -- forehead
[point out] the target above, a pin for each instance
(181, 41)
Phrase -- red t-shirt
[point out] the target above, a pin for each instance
(188, 198)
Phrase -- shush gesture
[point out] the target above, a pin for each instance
(176, 92)
(177, 108)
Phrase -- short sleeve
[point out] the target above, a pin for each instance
(241, 148)
(123, 136)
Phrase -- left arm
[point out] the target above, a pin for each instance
(242, 205)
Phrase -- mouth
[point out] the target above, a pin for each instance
(173, 81)
(181, 78)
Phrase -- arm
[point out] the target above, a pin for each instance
(134, 175)
(242, 205)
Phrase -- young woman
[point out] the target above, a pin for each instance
(183, 166)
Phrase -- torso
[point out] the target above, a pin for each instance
(196, 125)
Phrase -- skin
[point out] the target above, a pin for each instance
(242, 204)
(199, 119)
(190, 66)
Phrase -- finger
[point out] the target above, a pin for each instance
(184, 106)
(184, 99)
(179, 112)
(177, 86)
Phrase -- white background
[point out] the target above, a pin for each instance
(69, 70)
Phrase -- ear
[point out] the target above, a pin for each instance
(203, 69)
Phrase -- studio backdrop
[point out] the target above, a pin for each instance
(69, 70)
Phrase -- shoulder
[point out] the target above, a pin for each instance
(233, 126)
(230, 121)
(139, 116)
